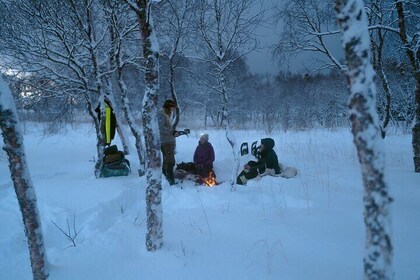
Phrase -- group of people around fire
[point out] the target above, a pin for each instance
(204, 156)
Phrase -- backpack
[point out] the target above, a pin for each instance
(115, 163)
(185, 170)
(187, 166)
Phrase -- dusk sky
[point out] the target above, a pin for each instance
(262, 61)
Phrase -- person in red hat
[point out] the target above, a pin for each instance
(167, 139)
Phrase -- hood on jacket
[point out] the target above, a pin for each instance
(268, 143)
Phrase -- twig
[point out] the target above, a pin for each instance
(69, 235)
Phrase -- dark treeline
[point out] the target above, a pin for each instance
(62, 58)
(286, 101)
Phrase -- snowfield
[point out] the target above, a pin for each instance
(307, 227)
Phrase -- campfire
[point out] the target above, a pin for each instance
(210, 180)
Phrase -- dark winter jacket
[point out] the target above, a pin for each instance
(268, 157)
(110, 123)
(204, 155)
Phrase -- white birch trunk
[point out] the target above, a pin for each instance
(116, 59)
(25, 193)
(154, 236)
(99, 87)
(132, 123)
(100, 138)
(367, 139)
(225, 124)
(174, 96)
(100, 141)
(123, 136)
(129, 115)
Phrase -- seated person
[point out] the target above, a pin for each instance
(204, 157)
(267, 164)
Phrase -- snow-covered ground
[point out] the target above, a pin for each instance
(307, 227)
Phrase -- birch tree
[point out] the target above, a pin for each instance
(23, 47)
(308, 27)
(154, 235)
(175, 19)
(367, 139)
(377, 11)
(57, 43)
(122, 25)
(22, 182)
(410, 38)
(66, 43)
(86, 18)
(227, 30)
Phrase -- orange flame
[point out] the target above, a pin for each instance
(210, 180)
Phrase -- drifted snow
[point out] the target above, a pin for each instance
(308, 227)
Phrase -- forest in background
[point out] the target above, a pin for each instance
(63, 56)
(53, 84)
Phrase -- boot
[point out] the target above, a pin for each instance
(170, 176)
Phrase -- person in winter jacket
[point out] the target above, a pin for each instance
(204, 156)
(267, 164)
(167, 139)
(110, 123)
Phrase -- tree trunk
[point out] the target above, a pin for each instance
(367, 139)
(132, 123)
(416, 127)
(154, 236)
(100, 141)
(377, 50)
(226, 126)
(173, 92)
(380, 72)
(412, 55)
(99, 88)
(124, 138)
(116, 60)
(25, 193)
(387, 113)
(205, 117)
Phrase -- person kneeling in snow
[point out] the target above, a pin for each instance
(267, 164)
(204, 157)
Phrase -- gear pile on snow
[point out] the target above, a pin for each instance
(115, 163)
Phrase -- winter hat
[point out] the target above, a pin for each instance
(169, 103)
(205, 136)
(268, 143)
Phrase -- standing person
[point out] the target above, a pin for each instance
(110, 123)
(268, 163)
(167, 139)
(204, 156)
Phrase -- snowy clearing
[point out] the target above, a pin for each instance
(307, 227)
